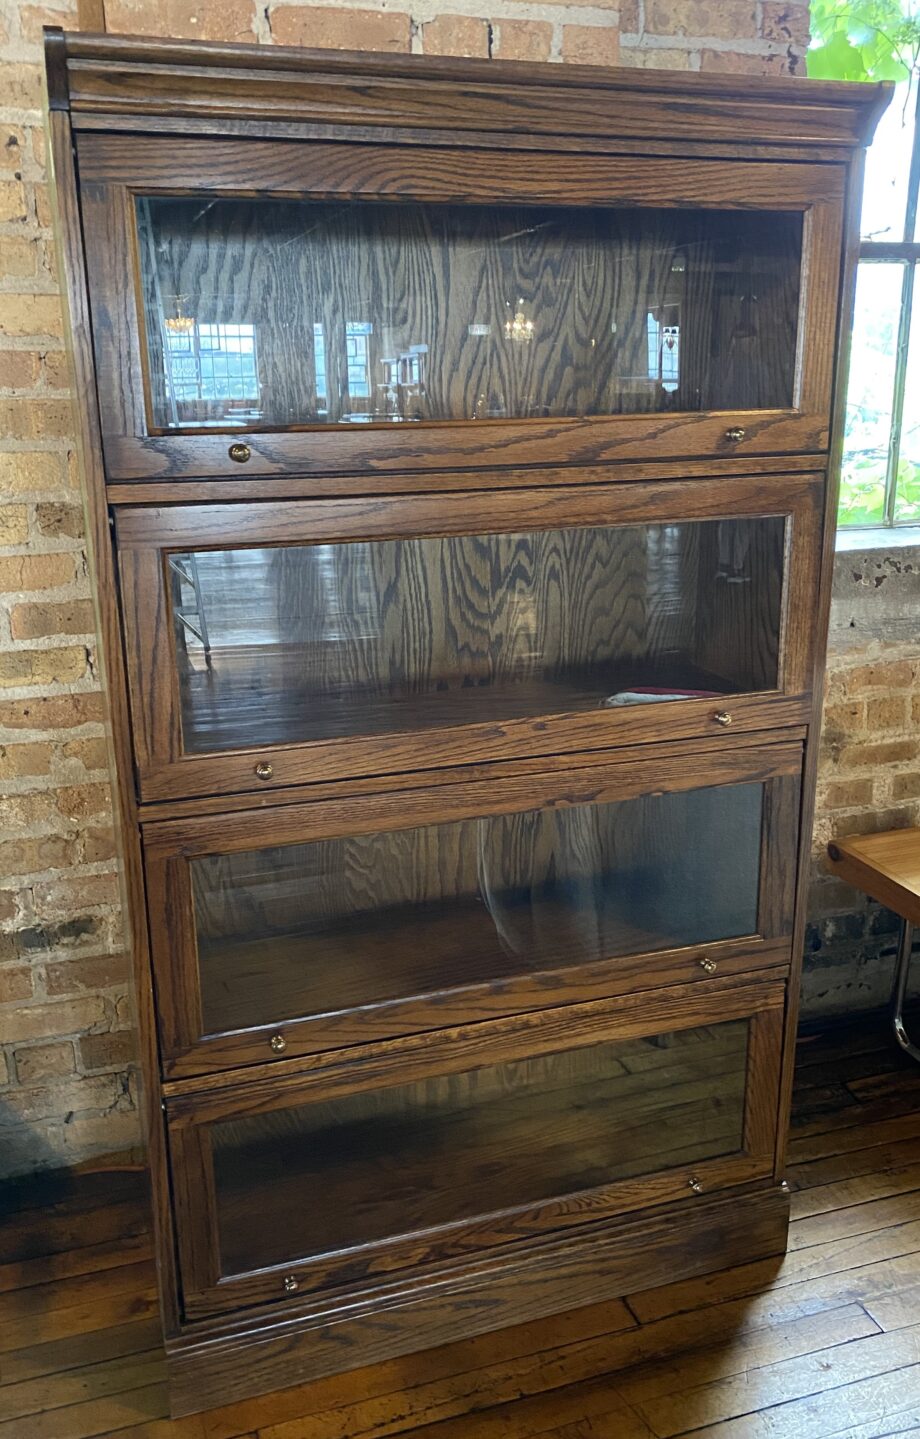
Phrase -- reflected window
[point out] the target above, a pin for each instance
(319, 364)
(213, 362)
(357, 349)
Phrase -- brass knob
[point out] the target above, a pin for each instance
(784, 1187)
(708, 964)
(695, 1184)
(239, 452)
(264, 770)
(277, 1044)
(735, 434)
(721, 717)
(290, 1284)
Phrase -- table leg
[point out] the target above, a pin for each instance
(902, 973)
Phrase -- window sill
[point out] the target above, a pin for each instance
(878, 537)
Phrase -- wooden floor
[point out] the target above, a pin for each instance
(824, 1345)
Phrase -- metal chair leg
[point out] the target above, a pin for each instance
(902, 973)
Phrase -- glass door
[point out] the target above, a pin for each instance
(338, 1174)
(343, 312)
(283, 932)
(314, 645)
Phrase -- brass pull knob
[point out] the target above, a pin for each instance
(290, 1284)
(721, 717)
(695, 1184)
(708, 964)
(239, 452)
(735, 434)
(264, 770)
(277, 1044)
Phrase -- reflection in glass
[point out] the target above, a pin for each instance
(313, 642)
(314, 313)
(311, 928)
(368, 1167)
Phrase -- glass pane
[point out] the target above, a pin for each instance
(907, 496)
(887, 170)
(870, 392)
(277, 312)
(369, 1167)
(313, 642)
(313, 928)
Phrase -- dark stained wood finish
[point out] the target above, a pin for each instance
(406, 968)
(165, 117)
(305, 487)
(161, 80)
(111, 661)
(111, 170)
(551, 719)
(664, 1139)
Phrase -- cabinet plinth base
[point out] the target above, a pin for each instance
(217, 1363)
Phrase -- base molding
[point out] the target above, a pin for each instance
(219, 1362)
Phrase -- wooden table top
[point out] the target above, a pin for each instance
(885, 866)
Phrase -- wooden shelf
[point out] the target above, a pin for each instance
(391, 1162)
(251, 699)
(407, 951)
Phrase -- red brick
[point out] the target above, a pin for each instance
(456, 35)
(52, 712)
(15, 984)
(590, 44)
(330, 28)
(888, 712)
(183, 19)
(44, 1061)
(40, 621)
(523, 40)
(79, 976)
(117, 1050)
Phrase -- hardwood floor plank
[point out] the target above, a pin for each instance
(868, 1218)
(897, 1310)
(861, 1189)
(890, 1426)
(519, 1419)
(91, 1259)
(96, 1346)
(46, 1312)
(853, 1163)
(863, 1133)
(92, 1381)
(93, 1418)
(27, 1237)
(763, 1388)
(875, 1401)
(386, 1388)
(745, 1353)
(815, 1263)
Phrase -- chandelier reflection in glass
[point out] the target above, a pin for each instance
(180, 323)
(519, 327)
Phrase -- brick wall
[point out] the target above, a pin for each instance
(869, 776)
(66, 1042)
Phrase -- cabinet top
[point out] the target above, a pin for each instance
(113, 83)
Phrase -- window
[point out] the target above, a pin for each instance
(880, 481)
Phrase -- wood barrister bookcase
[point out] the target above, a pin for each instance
(457, 439)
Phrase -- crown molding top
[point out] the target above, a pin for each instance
(122, 82)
